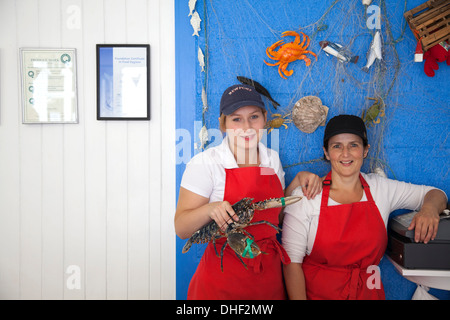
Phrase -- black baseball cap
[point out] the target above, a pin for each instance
(238, 96)
(345, 123)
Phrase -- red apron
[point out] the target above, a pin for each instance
(350, 238)
(263, 279)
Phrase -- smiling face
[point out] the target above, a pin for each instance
(346, 153)
(244, 127)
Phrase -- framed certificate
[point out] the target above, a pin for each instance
(123, 78)
(49, 85)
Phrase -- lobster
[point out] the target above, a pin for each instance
(239, 240)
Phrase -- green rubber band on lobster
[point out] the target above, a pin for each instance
(248, 249)
(282, 202)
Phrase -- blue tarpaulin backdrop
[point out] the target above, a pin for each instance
(411, 141)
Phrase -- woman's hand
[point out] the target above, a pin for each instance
(222, 213)
(194, 211)
(426, 223)
(310, 183)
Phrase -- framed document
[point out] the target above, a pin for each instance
(49, 85)
(123, 78)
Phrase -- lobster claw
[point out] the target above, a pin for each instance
(243, 245)
(276, 202)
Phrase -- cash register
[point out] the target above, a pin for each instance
(411, 255)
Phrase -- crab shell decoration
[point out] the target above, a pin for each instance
(277, 121)
(372, 115)
(289, 52)
(308, 113)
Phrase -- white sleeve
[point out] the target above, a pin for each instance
(296, 224)
(197, 176)
(404, 195)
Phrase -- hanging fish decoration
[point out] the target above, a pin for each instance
(204, 100)
(191, 6)
(336, 50)
(204, 137)
(201, 59)
(258, 87)
(374, 51)
(195, 23)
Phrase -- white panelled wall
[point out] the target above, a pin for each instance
(86, 210)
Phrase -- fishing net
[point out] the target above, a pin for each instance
(232, 42)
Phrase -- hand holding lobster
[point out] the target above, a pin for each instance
(223, 214)
(239, 240)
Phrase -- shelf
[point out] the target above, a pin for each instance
(438, 279)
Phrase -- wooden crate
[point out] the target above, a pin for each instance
(430, 22)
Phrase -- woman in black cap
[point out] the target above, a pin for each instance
(335, 239)
(220, 176)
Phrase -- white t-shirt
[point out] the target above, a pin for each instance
(205, 172)
(302, 218)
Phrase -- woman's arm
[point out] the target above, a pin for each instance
(426, 221)
(310, 183)
(295, 281)
(194, 211)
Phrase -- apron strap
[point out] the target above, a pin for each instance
(351, 288)
(264, 244)
(326, 190)
(356, 279)
(366, 188)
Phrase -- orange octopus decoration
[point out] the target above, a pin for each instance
(289, 52)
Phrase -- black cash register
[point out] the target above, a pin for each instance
(411, 255)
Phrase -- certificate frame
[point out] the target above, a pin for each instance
(123, 81)
(48, 85)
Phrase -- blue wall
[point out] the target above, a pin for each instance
(411, 141)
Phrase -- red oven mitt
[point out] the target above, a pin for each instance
(433, 56)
